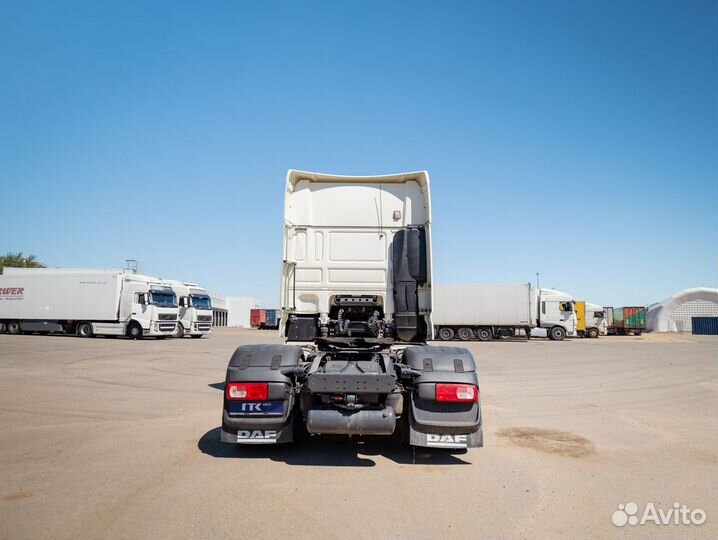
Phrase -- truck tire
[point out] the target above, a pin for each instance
(134, 331)
(484, 334)
(84, 329)
(593, 332)
(179, 331)
(446, 334)
(13, 327)
(3, 327)
(465, 334)
(557, 333)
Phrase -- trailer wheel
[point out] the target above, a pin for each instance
(3, 327)
(179, 331)
(84, 329)
(13, 327)
(134, 331)
(465, 334)
(446, 334)
(593, 332)
(557, 333)
(484, 334)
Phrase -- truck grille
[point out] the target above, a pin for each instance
(204, 327)
(167, 326)
(204, 318)
(168, 317)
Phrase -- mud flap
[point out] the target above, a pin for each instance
(446, 440)
(279, 435)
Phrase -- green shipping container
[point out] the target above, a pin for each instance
(634, 317)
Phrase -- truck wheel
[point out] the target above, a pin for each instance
(134, 331)
(593, 332)
(557, 333)
(3, 327)
(84, 329)
(446, 334)
(13, 327)
(465, 334)
(179, 331)
(484, 334)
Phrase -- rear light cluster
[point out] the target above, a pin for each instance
(467, 393)
(246, 391)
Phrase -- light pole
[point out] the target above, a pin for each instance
(538, 283)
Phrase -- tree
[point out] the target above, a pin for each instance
(18, 260)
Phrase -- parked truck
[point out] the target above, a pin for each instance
(485, 312)
(356, 313)
(264, 318)
(590, 320)
(195, 309)
(623, 321)
(86, 303)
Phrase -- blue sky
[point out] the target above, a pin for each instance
(577, 139)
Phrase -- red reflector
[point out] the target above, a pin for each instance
(457, 392)
(246, 391)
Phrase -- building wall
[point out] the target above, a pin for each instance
(680, 319)
(238, 310)
(674, 314)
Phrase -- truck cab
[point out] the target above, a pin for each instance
(148, 308)
(590, 320)
(356, 311)
(556, 313)
(356, 257)
(195, 309)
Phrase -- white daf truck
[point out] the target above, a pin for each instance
(487, 312)
(356, 313)
(195, 309)
(86, 303)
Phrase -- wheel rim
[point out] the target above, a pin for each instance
(84, 330)
(464, 334)
(484, 334)
(446, 334)
(13, 328)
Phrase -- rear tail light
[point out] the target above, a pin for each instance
(246, 391)
(457, 392)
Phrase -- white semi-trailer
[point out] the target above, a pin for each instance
(356, 314)
(85, 303)
(487, 312)
(195, 309)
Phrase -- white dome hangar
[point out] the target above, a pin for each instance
(692, 310)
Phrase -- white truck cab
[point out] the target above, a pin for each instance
(596, 318)
(148, 307)
(195, 309)
(356, 257)
(556, 313)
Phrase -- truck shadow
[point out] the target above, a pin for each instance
(330, 451)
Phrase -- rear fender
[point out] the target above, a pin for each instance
(437, 423)
(261, 422)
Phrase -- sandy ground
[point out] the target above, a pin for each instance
(111, 438)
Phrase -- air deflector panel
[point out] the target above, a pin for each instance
(409, 272)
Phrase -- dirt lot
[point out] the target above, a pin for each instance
(110, 438)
